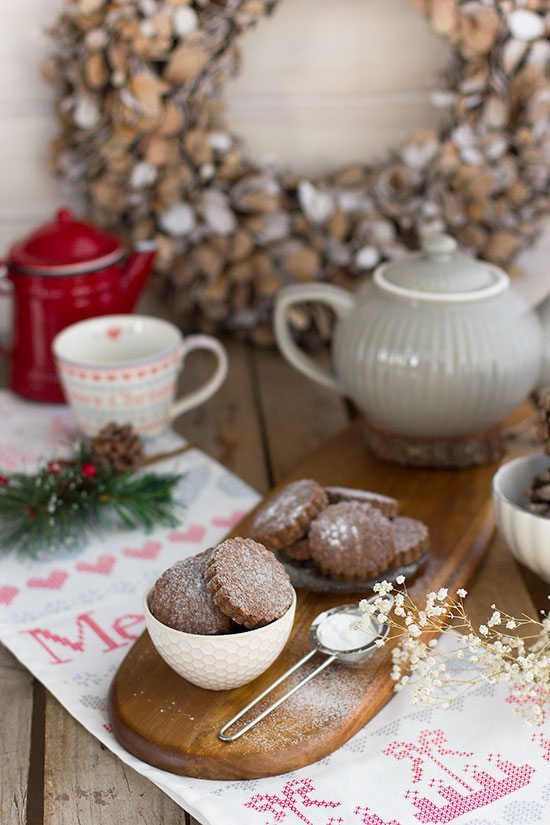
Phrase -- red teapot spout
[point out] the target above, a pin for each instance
(134, 273)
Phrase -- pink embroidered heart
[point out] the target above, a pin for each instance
(150, 550)
(230, 521)
(8, 594)
(114, 333)
(103, 565)
(54, 581)
(194, 534)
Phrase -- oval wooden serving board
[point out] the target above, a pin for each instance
(168, 722)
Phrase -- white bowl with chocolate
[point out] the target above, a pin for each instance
(221, 618)
(522, 510)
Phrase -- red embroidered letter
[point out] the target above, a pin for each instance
(43, 635)
(121, 624)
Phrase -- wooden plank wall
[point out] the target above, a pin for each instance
(322, 83)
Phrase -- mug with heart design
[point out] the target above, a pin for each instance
(124, 368)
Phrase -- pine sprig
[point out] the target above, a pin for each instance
(142, 501)
(57, 509)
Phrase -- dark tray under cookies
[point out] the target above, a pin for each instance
(307, 575)
(329, 710)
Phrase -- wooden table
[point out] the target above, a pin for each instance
(264, 420)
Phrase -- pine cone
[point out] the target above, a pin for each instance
(118, 446)
(543, 423)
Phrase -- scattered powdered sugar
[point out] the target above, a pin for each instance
(332, 699)
(339, 632)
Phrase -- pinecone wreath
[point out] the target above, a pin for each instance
(140, 88)
(539, 493)
(544, 421)
(117, 446)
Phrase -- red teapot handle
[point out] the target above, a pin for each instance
(5, 292)
(3, 269)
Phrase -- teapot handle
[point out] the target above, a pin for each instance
(340, 301)
(5, 292)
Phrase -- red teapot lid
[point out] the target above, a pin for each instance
(65, 247)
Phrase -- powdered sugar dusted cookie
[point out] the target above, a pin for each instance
(412, 539)
(286, 517)
(247, 582)
(182, 600)
(299, 551)
(387, 505)
(351, 540)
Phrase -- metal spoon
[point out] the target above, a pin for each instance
(349, 656)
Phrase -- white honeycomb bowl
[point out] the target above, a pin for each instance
(220, 662)
(526, 534)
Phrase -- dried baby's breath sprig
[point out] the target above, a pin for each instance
(502, 649)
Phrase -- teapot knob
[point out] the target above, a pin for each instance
(439, 246)
(65, 216)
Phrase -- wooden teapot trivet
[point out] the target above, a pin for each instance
(472, 450)
(168, 722)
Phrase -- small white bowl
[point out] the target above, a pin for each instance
(526, 534)
(220, 662)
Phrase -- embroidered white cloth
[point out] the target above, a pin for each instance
(71, 620)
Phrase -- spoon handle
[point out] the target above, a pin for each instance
(231, 737)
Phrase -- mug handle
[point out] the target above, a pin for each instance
(340, 301)
(202, 394)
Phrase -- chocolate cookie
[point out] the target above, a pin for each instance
(286, 517)
(299, 551)
(247, 582)
(351, 540)
(411, 538)
(182, 600)
(387, 505)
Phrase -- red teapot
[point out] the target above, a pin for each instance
(63, 272)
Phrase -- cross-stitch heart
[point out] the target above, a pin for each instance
(103, 565)
(149, 550)
(54, 581)
(8, 594)
(229, 521)
(194, 534)
(114, 333)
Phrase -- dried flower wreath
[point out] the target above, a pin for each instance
(139, 99)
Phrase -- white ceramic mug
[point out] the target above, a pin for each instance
(124, 368)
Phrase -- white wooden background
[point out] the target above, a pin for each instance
(322, 83)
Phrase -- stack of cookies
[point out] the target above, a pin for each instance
(235, 586)
(348, 535)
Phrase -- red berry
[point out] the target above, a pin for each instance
(4, 481)
(89, 470)
(54, 467)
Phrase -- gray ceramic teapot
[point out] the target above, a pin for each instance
(436, 345)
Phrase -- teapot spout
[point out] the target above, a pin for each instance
(134, 273)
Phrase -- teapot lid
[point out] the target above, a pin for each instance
(439, 273)
(65, 247)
